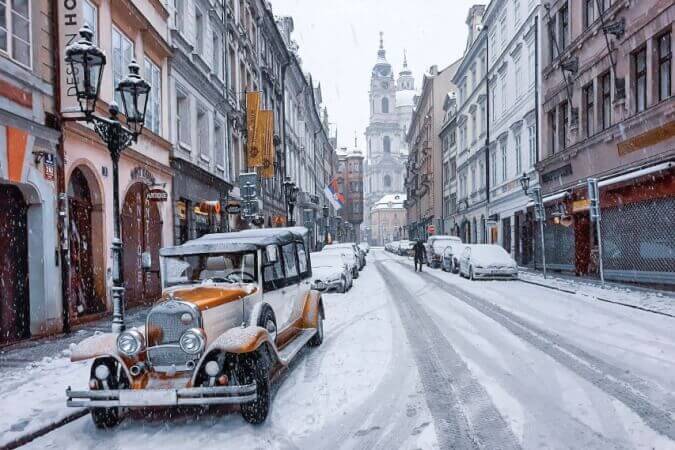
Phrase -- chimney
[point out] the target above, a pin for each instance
(433, 70)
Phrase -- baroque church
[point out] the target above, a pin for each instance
(391, 106)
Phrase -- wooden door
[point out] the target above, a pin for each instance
(82, 294)
(14, 298)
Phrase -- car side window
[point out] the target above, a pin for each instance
(290, 265)
(273, 273)
(302, 260)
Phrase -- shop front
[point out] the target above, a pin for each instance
(200, 202)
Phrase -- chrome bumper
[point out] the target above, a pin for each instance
(217, 395)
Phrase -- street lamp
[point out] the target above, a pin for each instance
(86, 63)
(291, 193)
(325, 211)
(539, 212)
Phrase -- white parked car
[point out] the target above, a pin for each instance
(365, 247)
(331, 273)
(451, 255)
(405, 248)
(360, 257)
(348, 254)
(435, 247)
(487, 261)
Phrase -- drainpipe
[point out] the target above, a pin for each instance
(62, 198)
(536, 123)
(487, 133)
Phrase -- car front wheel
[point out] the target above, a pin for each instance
(318, 337)
(109, 417)
(255, 368)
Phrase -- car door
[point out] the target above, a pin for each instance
(464, 261)
(274, 283)
(291, 290)
(304, 283)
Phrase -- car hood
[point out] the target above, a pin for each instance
(326, 273)
(205, 297)
(492, 261)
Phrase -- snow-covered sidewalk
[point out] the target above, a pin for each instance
(639, 297)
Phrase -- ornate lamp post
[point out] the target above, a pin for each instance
(325, 211)
(291, 193)
(87, 62)
(539, 212)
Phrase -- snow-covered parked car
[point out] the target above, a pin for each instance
(236, 308)
(487, 261)
(331, 273)
(364, 246)
(348, 254)
(451, 255)
(405, 248)
(435, 247)
(360, 257)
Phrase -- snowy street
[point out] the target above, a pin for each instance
(426, 361)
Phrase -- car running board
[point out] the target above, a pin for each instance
(291, 349)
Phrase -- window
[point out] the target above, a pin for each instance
(564, 26)
(199, 31)
(123, 54)
(219, 144)
(493, 167)
(606, 100)
(483, 117)
(473, 177)
(516, 11)
(605, 4)
(553, 131)
(289, 255)
(502, 30)
(494, 103)
(232, 73)
(518, 79)
(640, 87)
(588, 109)
(203, 134)
(504, 93)
(474, 80)
(216, 48)
(665, 66)
(531, 143)
(386, 144)
(503, 148)
(530, 63)
(589, 12)
(183, 118)
(302, 259)
(564, 117)
(385, 105)
(273, 273)
(387, 181)
(552, 50)
(519, 156)
(493, 45)
(153, 114)
(89, 17)
(481, 174)
(15, 30)
(474, 131)
(179, 12)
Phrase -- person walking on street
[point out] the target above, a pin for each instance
(419, 250)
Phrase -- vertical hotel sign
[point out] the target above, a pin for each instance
(254, 148)
(267, 143)
(71, 19)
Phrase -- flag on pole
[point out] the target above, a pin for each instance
(333, 195)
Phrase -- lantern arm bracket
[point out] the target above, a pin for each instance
(114, 134)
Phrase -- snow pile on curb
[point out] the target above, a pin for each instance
(34, 397)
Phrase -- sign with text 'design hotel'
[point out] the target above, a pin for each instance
(71, 19)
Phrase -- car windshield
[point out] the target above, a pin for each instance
(440, 244)
(332, 260)
(490, 253)
(210, 268)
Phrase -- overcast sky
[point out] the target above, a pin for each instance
(339, 39)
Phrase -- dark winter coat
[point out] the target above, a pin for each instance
(419, 250)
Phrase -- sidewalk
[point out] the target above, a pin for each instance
(34, 375)
(662, 302)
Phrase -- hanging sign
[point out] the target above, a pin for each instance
(253, 145)
(49, 167)
(71, 19)
(157, 195)
(267, 143)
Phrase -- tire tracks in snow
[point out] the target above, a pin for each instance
(462, 410)
(614, 381)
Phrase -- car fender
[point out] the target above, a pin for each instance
(240, 340)
(311, 310)
(103, 345)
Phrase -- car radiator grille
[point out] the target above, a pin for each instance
(164, 328)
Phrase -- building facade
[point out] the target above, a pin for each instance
(199, 110)
(391, 106)
(31, 298)
(350, 185)
(472, 132)
(388, 219)
(448, 136)
(424, 180)
(607, 113)
(512, 31)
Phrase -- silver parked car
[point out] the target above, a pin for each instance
(487, 261)
(331, 273)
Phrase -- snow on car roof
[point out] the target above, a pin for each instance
(239, 241)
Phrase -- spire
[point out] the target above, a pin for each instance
(381, 52)
(405, 59)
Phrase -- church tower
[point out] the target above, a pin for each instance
(385, 137)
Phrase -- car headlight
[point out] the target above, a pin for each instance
(130, 342)
(192, 341)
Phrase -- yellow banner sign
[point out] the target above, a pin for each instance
(253, 148)
(267, 143)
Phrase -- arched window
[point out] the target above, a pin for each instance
(387, 181)
(386, 144)
(385, 105)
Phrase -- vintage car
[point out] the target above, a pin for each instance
(235, 309)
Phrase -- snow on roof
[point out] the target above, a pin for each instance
(391, 201)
